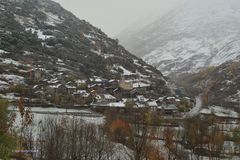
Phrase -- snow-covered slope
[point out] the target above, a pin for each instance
(49, 32)
(198, 34)
(42, 37)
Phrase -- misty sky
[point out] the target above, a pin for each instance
(113, 16)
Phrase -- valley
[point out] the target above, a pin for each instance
(69, 92)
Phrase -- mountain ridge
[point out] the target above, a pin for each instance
(190, 37)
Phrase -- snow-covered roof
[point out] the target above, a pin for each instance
(117, 104)
(140, 85)
(161, 98)
(105, 96)
(141, 98)
(138, 105)
(168, 98)
(39, 92)
(170, 107)
(92, 85)
(70, 87)
(53, 81)
(35, 86)
(98, 80)
(81, 81)
(82, 93)
(177, 100)
(115, 89)
(112, 80)
(109, 96)
(152, 104)
(55, 86)
(220, 112)
(159, 107)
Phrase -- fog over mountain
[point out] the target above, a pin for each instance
(195, 35)
(114, 16)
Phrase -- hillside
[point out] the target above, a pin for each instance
(42, 43)
(196, 35)
(218, 85)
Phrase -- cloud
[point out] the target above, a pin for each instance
(113, 16)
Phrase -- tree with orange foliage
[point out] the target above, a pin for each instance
(119, 130)
(153, 153)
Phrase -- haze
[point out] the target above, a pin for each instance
(114, 16)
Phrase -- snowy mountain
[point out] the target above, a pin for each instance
(197, 34)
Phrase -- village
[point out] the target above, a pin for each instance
(130, 90)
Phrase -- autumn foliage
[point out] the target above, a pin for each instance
(119, 129)
(153, 153)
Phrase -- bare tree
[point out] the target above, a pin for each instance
(73, 139)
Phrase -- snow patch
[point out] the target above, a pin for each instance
(52, 19)
(106, 56)
(24, 20)
(10, 96)
(3, 85)
(39, 33)
(3, 52)
(10, 61)
(125, 71)
(12, 78)
(27, 53)
(99, 52)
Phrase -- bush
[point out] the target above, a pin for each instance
(6, 140)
